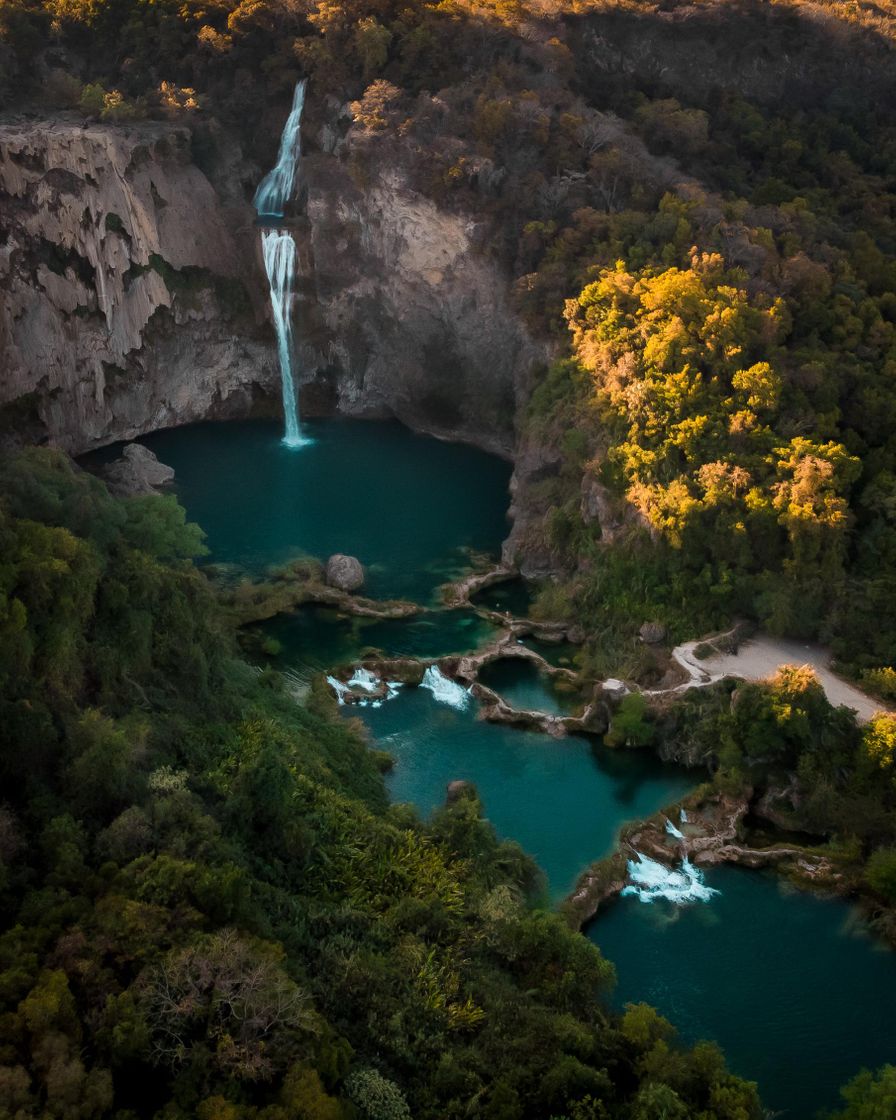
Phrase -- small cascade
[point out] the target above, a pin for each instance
(651, 881)
(279, 251)
(363, 681)
(444, 690)
(673, 831)
(275, 189)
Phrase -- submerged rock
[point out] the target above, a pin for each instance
(344, 572)
(457, 790)
(138, 471)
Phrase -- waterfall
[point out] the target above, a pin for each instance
(275, 188)
(444, 690)
(279, 251)
(673, 831)
(651, 881)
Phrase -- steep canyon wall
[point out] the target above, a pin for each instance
(124, 306)
(132, 295)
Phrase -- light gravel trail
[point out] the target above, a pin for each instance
(759, 658)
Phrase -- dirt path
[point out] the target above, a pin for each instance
(760, 657)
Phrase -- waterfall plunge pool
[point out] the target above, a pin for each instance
(411, 508)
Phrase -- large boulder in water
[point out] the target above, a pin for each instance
(138, 471)
(344, 572)
(458, 790)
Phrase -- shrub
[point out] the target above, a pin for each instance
(376, 1097)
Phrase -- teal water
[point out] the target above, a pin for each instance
(524, 687)
(563, 800)
(788, 984)
(409, 507)
(513, 597)
(796, 997)
(315, 639)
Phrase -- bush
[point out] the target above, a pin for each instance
(881, 873)
(376, 1097)
(631, 725)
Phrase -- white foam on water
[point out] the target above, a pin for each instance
(673, 831)
(444, 690)
(651, 881)
(683, 817)
(338, 687)
(365, 679)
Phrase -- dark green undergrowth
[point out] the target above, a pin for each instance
(209, 910)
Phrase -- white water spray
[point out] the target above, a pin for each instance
(365, 681)
(444, 690)
(673, 831)
(651, 881)
(276, 187)
(279, 250)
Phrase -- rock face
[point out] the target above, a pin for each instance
(132, 295)
(403, 315)
(652, 633)
(138, 471)
(344, 572)
(528, 548)
(458, 790)
(122, 304)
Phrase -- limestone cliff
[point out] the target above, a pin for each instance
(123, 306)
(132, 295)
(403, 315)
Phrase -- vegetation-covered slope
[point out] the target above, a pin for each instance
(696, 202)
(208, 909)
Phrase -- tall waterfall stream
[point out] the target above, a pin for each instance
(279, 252)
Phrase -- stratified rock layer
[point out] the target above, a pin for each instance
(132, 295)
(122, 307)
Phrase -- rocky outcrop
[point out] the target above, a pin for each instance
(459, 790)
(137, 471)
(402, 314)
(710, 835)
(528, 547)
(123, 305)
(133, 297)
(652, 633)
(345, 573)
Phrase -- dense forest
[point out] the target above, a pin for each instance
(212, 912)
(209, 908)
